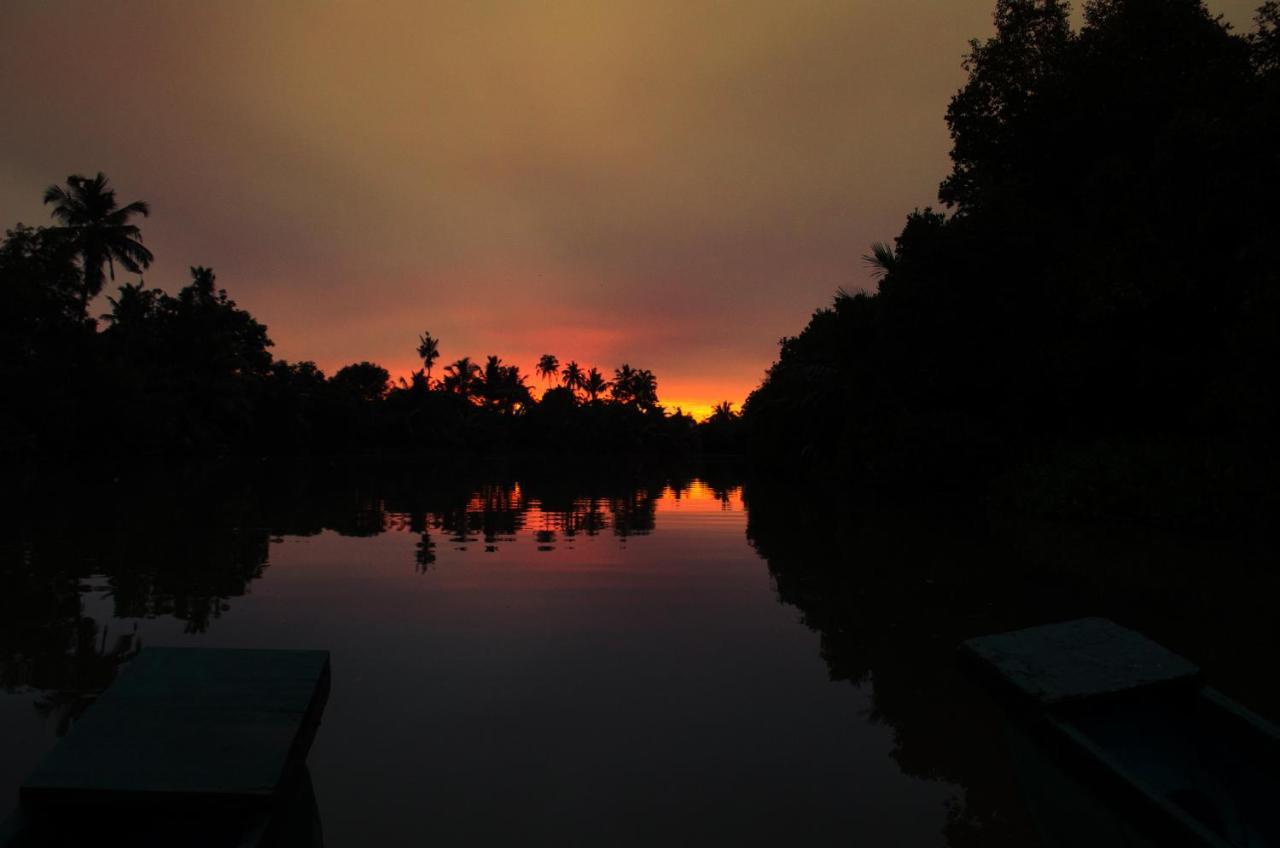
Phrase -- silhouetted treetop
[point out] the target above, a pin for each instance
(572, 376)
(192, 374)
(1103, 293)
(364, 381)
(462, 377)
(502, 387)
(635, 386)
(1265, 40)
(428, 352)
(39, 280)
(1005, 73)
(548, 365)
(99, 227)
(594, 384)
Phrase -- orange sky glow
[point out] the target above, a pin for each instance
(674, 185)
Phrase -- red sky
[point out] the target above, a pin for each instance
(675, 185)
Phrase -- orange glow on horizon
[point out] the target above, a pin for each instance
(696, 398)
(654, 183)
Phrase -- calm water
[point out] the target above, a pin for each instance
(666, 660)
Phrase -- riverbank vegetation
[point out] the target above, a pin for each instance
(1090, 325)
(192, 374)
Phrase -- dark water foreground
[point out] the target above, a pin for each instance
(571, 659)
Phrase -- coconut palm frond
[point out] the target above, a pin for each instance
(882, 259)
(99, 228)
(137, 207)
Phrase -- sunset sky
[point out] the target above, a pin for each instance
(671, 184)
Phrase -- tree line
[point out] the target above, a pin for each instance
(1090, 323)
(192, 373)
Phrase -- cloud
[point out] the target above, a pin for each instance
(675, 184)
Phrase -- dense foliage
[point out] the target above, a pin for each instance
(1095, 317)
(192, 374)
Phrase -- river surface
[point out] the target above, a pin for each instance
(665, 660)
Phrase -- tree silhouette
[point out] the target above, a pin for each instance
(100, 228)
(503, 387)
(363, 380)
(594, 384)
(462, 378)
(881, 259)
(39, 279)
(1098, 304)
(1266, 40)
(1006, 75)
(548, 364)
(191, 374)
(634, 386)
(622, 389)
(572, 377)
(723, 411)
(644, 389)
(428, 352)
(134, 305)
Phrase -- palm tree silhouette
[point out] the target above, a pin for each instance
(644, 389)
(462, 377)
(99, 228)
(623, 384)
(428, 352)
(723, 411)
(594, 384)
(548, 364)
(572, 377)
(503, 386)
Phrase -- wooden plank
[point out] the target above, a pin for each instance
(1074, 660)
(189, 727)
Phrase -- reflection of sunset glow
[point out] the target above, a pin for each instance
(700, 497)
(507, 518)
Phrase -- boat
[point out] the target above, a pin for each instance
(188, 746)
(1119, 741)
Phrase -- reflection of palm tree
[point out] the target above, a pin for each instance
(548, 364)
(633, 514)
(428, 352)
(76, 679)
(462, 377)
(572, 377)
(588, 517)
(425, 554)
(100, 228)
(594, 384)
(546, 540)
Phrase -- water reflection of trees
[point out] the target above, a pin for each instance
(166, 545)
(46, 643)
(884, 614)
(149, 550)
(551, 510)
(891, 594)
